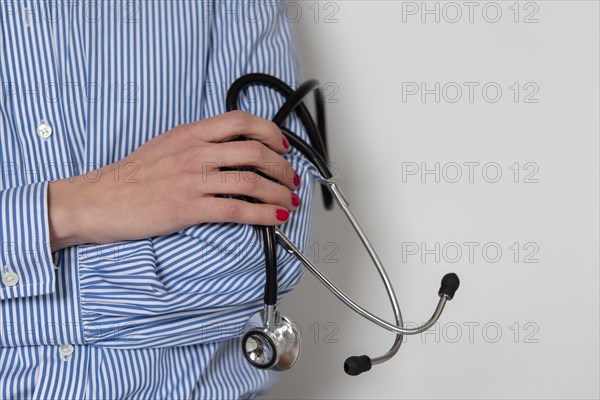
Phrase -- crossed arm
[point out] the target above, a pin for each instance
(177, 178)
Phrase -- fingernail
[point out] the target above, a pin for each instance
(296, 179)
(286, 144)
(295, 200)
(282, 215)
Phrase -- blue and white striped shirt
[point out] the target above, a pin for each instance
(84, 83)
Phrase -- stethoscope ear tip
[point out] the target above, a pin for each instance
(356, 365)
(449, 286)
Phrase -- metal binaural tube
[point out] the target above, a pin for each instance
(400, 330)
(345, 206)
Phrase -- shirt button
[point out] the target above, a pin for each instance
(66, 350)
(10, 279)
(44, 130)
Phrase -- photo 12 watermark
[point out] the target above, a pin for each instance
(489, 92)
(38, 12)
(470, 172)
(490, 252)
(470, 12)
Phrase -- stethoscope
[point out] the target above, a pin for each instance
(271, 340)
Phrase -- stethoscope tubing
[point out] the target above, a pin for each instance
(317, 156)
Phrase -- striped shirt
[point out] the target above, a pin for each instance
(85, 83)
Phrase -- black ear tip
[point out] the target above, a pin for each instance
(356, 365)
(450, 284)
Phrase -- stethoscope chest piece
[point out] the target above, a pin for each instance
(271, 343)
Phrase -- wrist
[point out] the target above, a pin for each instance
(66, 213)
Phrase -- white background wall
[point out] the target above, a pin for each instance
(547, 311)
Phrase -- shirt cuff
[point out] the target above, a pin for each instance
(26, 266)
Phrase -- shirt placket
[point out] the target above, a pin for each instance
(43, 129)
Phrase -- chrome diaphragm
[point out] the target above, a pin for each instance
(273, 344)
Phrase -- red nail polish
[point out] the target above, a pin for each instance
(282, 215)
(296, 179)
(295, 200)
(286, 144)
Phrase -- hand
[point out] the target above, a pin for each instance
(172, 182)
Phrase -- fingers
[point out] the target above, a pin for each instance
(248, 183)
(220, 210)
(228, 126)
(253, 154)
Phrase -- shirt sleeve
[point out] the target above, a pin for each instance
(25, 260)
(202, 283)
